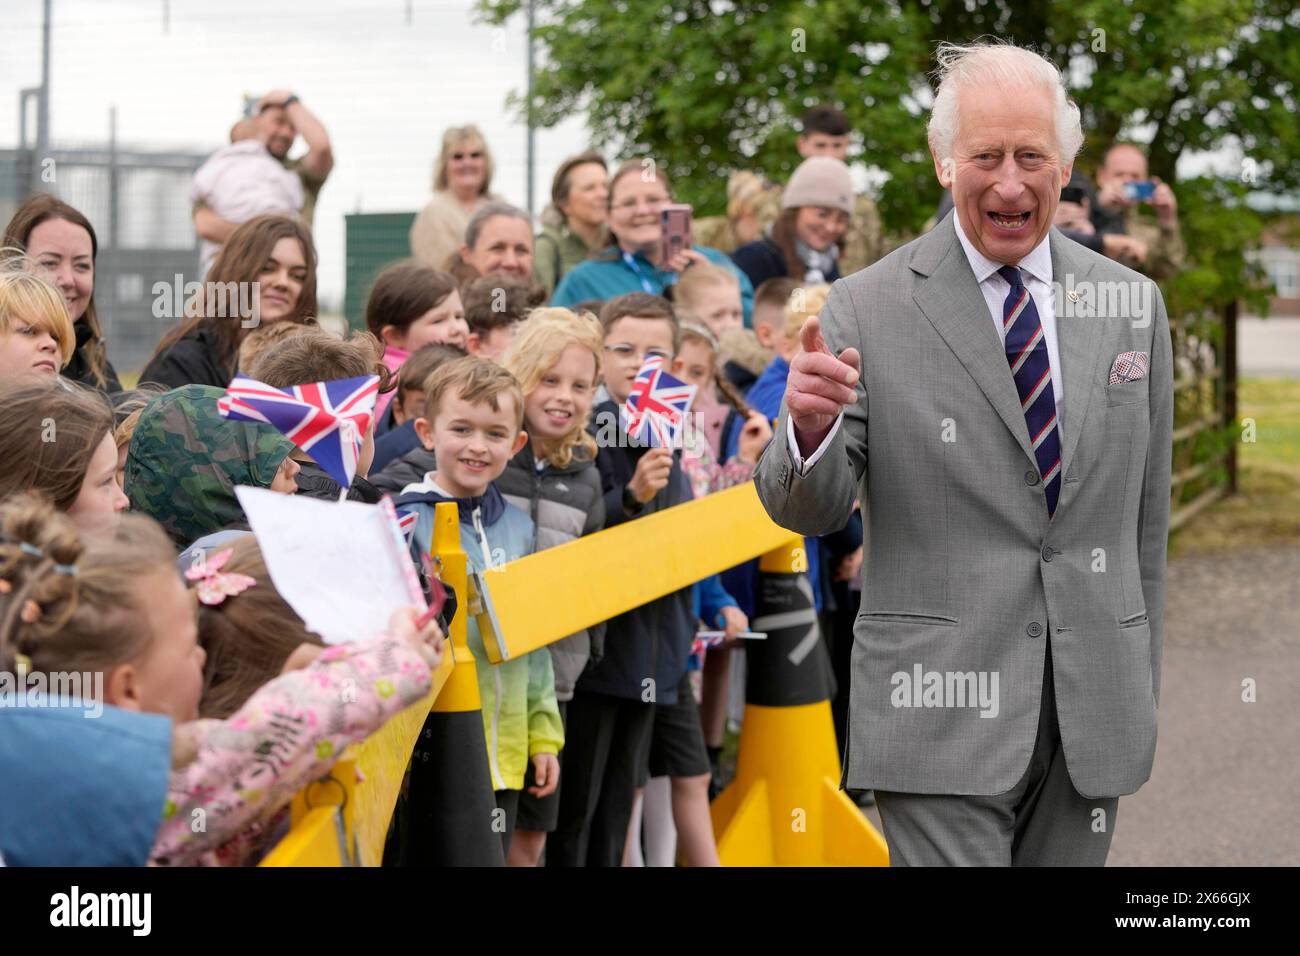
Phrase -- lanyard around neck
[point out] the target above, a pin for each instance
(630, 261)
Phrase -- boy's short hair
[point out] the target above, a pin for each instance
(640, 305)
(826, 120)
(476, 380)
(774, 292)
(264, 338)
(320, 357)
(701, 276)
(498, 301)
(422, 363)
(806, 302)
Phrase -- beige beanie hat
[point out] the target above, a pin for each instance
(820, 181)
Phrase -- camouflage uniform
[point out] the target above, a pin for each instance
(1166, 254)
(185, 461)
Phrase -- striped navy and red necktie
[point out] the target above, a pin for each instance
(1027, 354)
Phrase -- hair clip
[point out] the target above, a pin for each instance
(31, 612)
(26, 547)
(68, 569)
(215, 585)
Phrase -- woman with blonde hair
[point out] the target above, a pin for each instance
(555, 355)
(36, 335)
(462, 180)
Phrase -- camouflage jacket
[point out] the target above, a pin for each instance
(185, 461)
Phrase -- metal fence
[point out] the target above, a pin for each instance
(1205, 412)
(138, 201)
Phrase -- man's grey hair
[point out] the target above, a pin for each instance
(491, 211)
(997, 65)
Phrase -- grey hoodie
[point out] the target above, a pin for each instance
(564, 503)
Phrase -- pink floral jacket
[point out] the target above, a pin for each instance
(246, 769)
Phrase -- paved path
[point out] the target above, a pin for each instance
(1225, 789)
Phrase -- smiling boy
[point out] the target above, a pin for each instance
(473, 423)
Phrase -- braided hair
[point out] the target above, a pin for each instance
(69, 605)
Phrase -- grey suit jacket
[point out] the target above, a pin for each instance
(965, 575)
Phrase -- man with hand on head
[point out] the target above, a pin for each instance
(278, 119)
(1006, 672)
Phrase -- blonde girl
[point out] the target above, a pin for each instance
(555, 355)
(36, 335)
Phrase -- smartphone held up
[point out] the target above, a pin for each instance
(676, 222)
(1140, 190)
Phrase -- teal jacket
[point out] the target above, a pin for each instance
(610, 276)
(520, 715)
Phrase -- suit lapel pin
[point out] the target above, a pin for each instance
(1074, 296)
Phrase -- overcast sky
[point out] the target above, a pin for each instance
(384, 89)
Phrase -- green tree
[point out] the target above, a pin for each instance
(709, 86)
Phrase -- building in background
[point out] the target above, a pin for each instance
(1279, 257)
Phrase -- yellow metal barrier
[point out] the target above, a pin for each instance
(599, 577)
(788, 762)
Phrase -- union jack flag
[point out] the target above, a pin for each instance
(656, 407)
(406, 520)
(328, 420)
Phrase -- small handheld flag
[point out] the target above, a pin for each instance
(655, 410)
(328, 420)
(406, 520)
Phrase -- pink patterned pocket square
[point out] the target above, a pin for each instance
(1129, 367)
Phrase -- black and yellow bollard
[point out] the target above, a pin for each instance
(785, 807)
(447, 816)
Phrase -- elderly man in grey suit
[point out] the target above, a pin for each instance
(1001, 401)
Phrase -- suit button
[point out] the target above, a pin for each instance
(1047, 552)
(1034, 629)
(1031, 477)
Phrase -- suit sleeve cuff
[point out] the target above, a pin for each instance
(802, 465)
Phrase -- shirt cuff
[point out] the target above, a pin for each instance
(801, 466)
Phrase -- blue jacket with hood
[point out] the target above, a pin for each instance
(521, 718)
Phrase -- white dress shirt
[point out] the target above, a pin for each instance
(1036, 274)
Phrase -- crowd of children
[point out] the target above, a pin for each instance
(126, 555)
